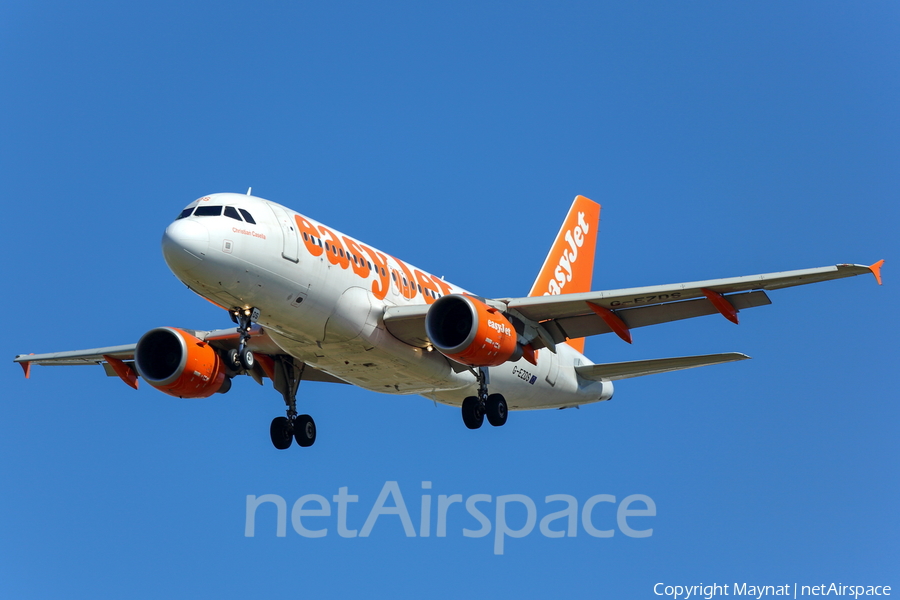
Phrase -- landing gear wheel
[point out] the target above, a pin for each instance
(282, 432)
(496, 410)
(305, 431)
(234, 359)
(247, 359)
(472, 412)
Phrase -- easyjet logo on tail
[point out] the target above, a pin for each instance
(569, 266)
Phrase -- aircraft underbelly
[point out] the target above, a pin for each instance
(378, 364)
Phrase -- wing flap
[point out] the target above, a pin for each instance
(642, 316)
(639, 368)
(111, 371)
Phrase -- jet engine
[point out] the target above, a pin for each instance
(471, 332)
(179, 364)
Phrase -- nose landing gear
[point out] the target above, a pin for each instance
(475, 408)
(287, 373)
(243, 357)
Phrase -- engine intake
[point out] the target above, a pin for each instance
(471, 332)
(179, 364)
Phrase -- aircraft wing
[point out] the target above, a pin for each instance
(223, 339)
(638, 368)
(572, 316)
(591, 313)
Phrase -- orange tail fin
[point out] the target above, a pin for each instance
(569, 266)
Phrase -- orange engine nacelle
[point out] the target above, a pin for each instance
(179, 364)
(471, 332)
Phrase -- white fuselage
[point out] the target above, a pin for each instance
(322, 294)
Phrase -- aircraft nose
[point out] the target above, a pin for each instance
(185, 244)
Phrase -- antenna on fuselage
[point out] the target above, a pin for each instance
(249, 189)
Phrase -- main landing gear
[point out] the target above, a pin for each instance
(475, 408)
(284, 430)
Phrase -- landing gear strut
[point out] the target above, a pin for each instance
(475, 408)
(243, 356)
(284, 430)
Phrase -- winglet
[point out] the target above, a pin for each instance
(876, 270)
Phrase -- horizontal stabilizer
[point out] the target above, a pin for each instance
(637, 368)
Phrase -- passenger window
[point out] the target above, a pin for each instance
(208, 211)
(232, 212)
(247, 216)
(185, 213)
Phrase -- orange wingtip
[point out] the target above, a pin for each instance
(26, 366)
(876, 270)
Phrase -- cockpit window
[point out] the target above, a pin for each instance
(208, 211)
(185, 213)
(232, 212)
(247, 216)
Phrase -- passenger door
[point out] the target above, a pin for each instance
(290, 240)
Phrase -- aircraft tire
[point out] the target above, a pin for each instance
(247, 359)
(234, 361)
(472, 413)
(305, 431)
(496, 409)
(281, 431)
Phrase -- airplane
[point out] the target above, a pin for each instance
(311, 303)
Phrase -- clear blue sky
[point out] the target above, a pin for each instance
(722, 139)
